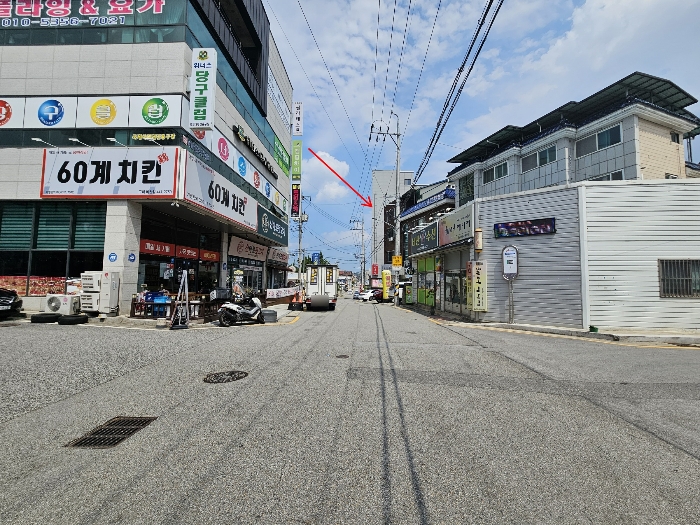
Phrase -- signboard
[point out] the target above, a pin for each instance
(50, 112)
(244, 248)
(315, 258)
(103, 112)
(156, 247)
(185, 252)
(11, 113)
(272, 227)
(298, 119)
(281, 156)
(375, 283)
(155, 111)
(522, 228)
(205, 188)
(509, 256)
(296, 160)
(423, 240)
(209, 256)
(275, 94)
(456, 226)
(386, 283)
(296, 199)
(375, 269)
(314, 276)
(479, 287)
(109, 173)
(396, 260)
(203, 88)
(469, 286)
(408, 294)
(259, 154)
(277, 293)
(60, 14)
(278, 257)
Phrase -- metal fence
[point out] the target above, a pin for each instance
(679, 278)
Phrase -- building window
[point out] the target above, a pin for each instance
(675, 137)
(496, 172)
(602, 140)
(407, 182)
(615, 175)
(539, 158)
(679, 278)
(466, 189)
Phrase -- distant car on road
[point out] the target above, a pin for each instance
(366, 295)
(10, 303)
(356, 294)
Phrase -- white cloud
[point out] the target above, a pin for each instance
(320, 182)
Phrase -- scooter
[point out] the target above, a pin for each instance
(234, 311)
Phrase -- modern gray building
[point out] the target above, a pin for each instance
(595, 198)
(100, 167)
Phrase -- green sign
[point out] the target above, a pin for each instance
(296, 160)
(155, 111)
(281, 156)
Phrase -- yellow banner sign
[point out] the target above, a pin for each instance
(397, 260)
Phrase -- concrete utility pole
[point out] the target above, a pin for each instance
(396, 137)
(355, 220)
(303, 217)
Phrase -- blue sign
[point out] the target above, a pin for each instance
(50, 112)
(267, 190)
(224, 266)
(112, 257)
(132, 257)
(241, 166)
(315, 258)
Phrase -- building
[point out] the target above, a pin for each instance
(597, 204)
(101, 169)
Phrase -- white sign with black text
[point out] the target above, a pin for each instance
(298, 119)
(109, 173)
(510, 263)
(208, 189)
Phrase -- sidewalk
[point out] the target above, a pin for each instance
(678, 337)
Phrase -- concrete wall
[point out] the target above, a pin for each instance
(659, 155)
(550, 174)
(20, 173)
(620, 156)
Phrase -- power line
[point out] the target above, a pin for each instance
(331, 77)
(376, 51)
(388, 60)
(403, 46)
(314, 89)
(420, 75)
(441, 125)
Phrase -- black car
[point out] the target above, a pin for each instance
(10, 303)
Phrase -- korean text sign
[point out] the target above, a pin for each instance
(116, 173)
(207, 189)
(203, 88)
(479, 287)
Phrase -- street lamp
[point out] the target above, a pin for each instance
(72, 139)
(35, 139)
(112, 139)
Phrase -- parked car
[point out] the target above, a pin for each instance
(356, 294)
(10, 303)
(378, 295)
(366, 295)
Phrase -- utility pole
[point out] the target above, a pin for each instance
(355, 220)
(396, 137)
(303, 217)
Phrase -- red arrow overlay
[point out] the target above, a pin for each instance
(365, 202)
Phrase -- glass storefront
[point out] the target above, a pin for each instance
(247, 273)
(170, 246)
(45, 246)
(426, 281)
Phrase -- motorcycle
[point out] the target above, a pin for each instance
(235, 311)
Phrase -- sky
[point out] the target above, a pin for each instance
(354, 62)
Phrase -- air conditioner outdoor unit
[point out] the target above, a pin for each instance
(90, 302)
(62, 304)
(100, 292)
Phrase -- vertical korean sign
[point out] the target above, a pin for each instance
(479, 287)
(469, 286)
(203, 91)
(298, 119)
(296, 199)
(296, 161)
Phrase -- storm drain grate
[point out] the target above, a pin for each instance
(112, 432)
(225, 377)
(342, 356)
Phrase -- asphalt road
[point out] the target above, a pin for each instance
(424, 422)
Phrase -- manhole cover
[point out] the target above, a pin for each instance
(225, 377)
(112, 432)
(342, 356)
